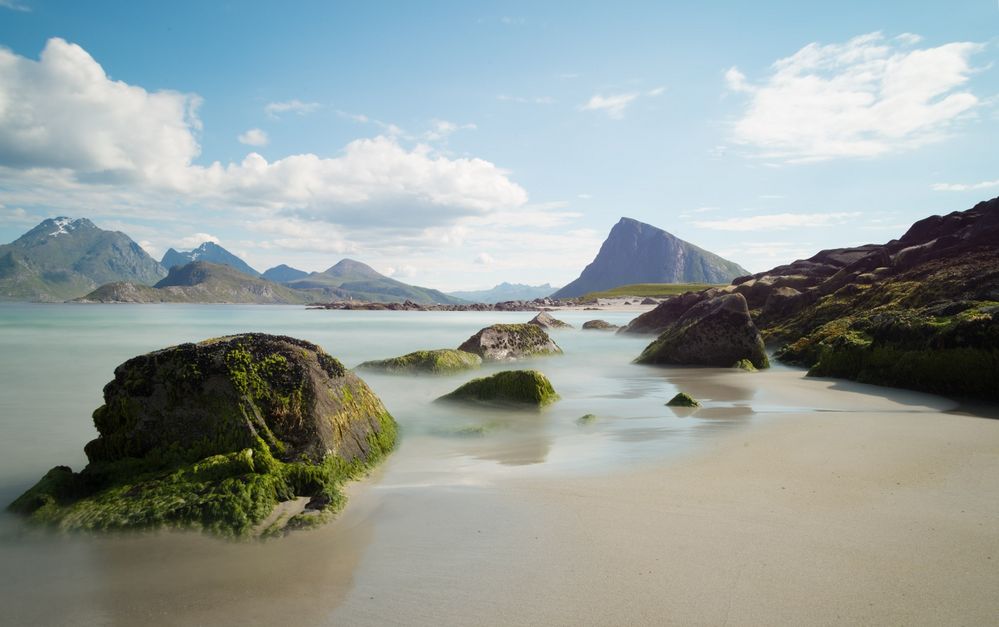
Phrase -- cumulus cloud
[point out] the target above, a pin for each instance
(613, 105)
(484, 259)
(276, 109)
(194, 240)
(777, 221)
(963, 187)
(65, 123)
(866, 97)
(253, 137)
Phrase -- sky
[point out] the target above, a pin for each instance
(456, 145)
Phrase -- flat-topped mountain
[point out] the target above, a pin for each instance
(62, 258)
(351, 279)
(203, 282)
(210, 252)
(635, 252)
(506, 292)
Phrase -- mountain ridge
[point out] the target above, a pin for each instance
(210, 252)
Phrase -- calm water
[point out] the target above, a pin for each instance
(55, 359)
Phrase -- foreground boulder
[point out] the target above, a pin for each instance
(216, 435)
(510, 386)
(682, 399)
(599, 325)
(507, 342)
(714, 332)
(546, 321)
(442, 361)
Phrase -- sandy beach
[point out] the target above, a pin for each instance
(882, 507)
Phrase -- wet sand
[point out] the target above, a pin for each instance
(881, 507)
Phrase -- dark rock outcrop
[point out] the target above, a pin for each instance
(441, 361)
(547, 321)
(510, 386)
(714, 332)
(507, 342)
(635, 252)
(214, 435)
(599, 325)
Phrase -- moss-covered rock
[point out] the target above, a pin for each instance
(441, 361)
(586, 419)
(683, 399)
(599, 325)
(508, 342)
(715, 332)
(744, 364)
(214, 436)
(510, 386)
(948, 350)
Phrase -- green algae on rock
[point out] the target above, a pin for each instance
(745, 364)
(683, 400)
(508, 342)
(586, 419)
(441, 361)
(214, 436)
(510, 386)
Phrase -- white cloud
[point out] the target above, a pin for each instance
(658, 91)
(866, 97)
(275, 109)
(65, 126)
(440, 129)
(357, 117)
(253, 137)
(14, 5)
(401, 272)
(963, 187)
(777, 221)
(194, 240)
(18, 215)
(484, 259)
(613, 105)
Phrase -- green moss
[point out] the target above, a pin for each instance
(510, 386)
(586, 419)
(683, 400)
(745, 364)
(442, 361)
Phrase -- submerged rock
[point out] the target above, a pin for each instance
(215, 435)
(683, 400)
(744, 364)
(714, 332)
(507, 342)
(586, 419)
(442, 361)
(509, 386)
(599, 325)
(546, 321)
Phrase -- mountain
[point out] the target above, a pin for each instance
(210, 252)
(203, 282)
(283, 274)
(351, 279)
(505, 292)
(636, 252)
(62, 258)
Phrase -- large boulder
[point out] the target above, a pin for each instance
(441, 361)
(599, 325)
(714, 332)
(215, 435)
(508, 342)
(547, 321)
(510, 386)
(665, 314)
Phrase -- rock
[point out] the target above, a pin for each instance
(745, 364)
(715, 332)
(650, 301)
(507, 342)
(599, 325)
(546, 321)
(510, 386)
(683, 400)
(586, 419)
(665, 314)
(442, 361)
(215, 435)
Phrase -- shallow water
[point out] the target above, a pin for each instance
(55, 359)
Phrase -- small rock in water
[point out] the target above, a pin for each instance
(683, 400)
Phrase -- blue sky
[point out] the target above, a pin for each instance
(459, 144)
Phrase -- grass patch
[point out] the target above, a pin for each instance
(653, 290)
